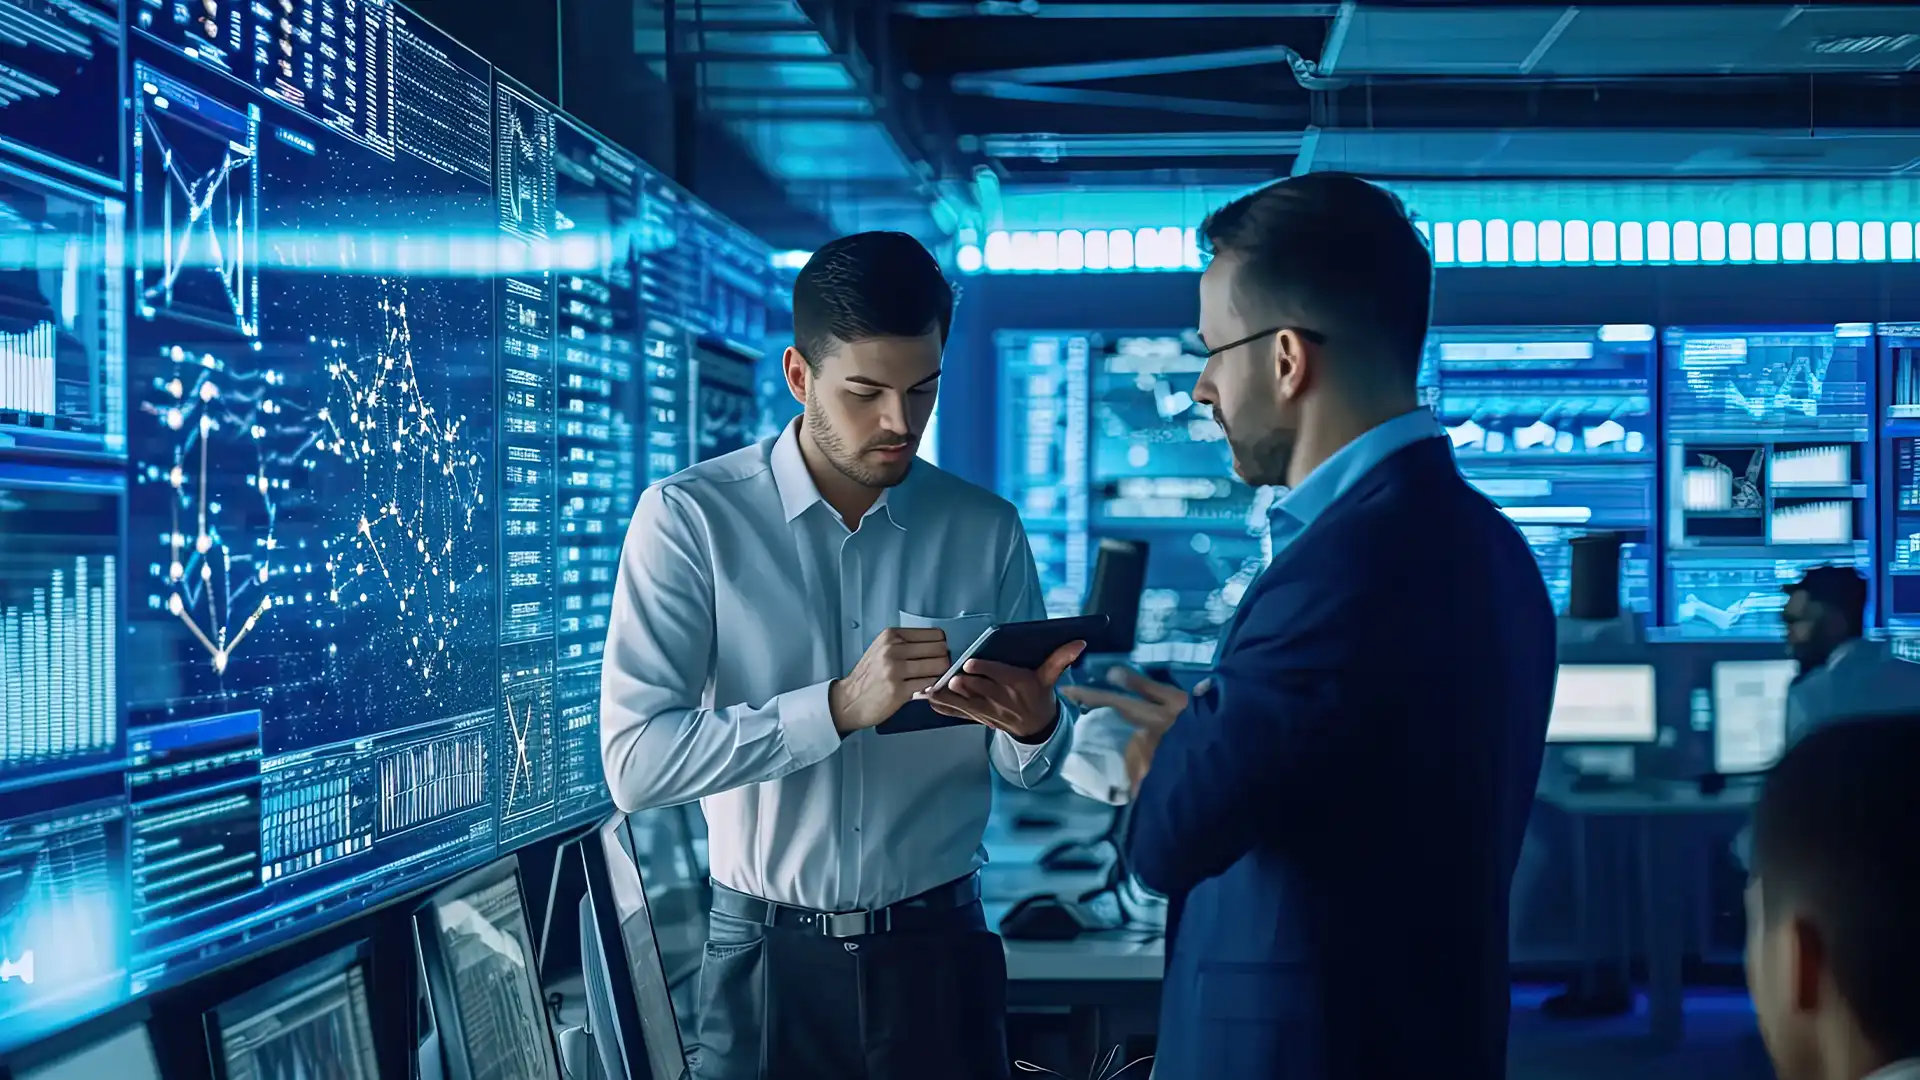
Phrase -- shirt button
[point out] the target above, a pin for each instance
(853, 623)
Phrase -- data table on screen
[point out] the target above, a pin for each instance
(1044, 379)
(1556, 425)
(1899, 476)
(1157, 454)
(596, 199)
(1769, 464)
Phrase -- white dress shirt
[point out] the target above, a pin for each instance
(1097, 767)
(1899, 1070)
(741, 597)
(1861, 678)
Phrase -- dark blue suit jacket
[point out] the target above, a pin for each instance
(1337, 820)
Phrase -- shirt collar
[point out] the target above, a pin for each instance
(1899, 1070)
(1336, 476)
(798, 492)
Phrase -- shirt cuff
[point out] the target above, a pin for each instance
(806, 724)
(1024, 753)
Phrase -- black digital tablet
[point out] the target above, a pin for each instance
(1019, 644)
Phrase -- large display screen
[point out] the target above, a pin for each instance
(1899, 477)
(328, 384)
(1768, 446)
(1556, 425)
(1043, 453)
(1159, 459)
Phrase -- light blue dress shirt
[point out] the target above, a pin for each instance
(741, 597)
(1097, 768)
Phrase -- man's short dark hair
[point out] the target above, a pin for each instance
(865, 286)
(1332, 253)
(1836, 835)
(1839, 589)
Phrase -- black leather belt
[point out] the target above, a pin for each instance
(933, 909)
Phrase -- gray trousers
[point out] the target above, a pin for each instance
(921, 1003)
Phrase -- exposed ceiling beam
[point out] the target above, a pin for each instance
(1112, 99)
(1038, 9)
(1145, 144)
(1124, 69)
(1309, 145)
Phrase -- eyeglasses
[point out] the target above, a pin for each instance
(1314, 336)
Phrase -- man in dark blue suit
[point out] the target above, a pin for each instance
(1336, 817)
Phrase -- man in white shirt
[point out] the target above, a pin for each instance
(1833, 905)
(774, 606)
(1842, 674)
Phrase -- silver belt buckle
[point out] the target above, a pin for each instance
(846, 924)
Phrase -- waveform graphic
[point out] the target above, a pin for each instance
(1788, 381)
(27, 379)
(1814, 465)
(428, 781)
(1726, 618)
(196, 182)
(21, 969)
(222, 420)
(422, 487)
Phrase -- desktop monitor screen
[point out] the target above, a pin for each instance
(125, 1055)
(1119, 575)
(630, 940)
(1603, 703)
(313, 1022)
(482, 978)
(1750, 713)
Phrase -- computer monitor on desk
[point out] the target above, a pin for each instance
(482, 978)
(1750, 714)
(313, 1022)
(1119, 575)
(1603, 704)
(630, 1010)
(127, 1054)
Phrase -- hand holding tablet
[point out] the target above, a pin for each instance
(1005, 680)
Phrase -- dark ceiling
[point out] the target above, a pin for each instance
(1106, 93)
(803, 118)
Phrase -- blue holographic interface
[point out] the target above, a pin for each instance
(328, 384)
(1043, 452)
(1899, 478)
(1556, 426)
(1768, 441)
(1159, 458)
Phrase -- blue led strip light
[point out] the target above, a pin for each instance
(1473, 242)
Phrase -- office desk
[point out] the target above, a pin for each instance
(1105, 985)
(1663, 814)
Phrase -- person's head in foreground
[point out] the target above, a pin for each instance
(1313, 310)
(1833, 904)
(870, 318)
(1825, 609)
